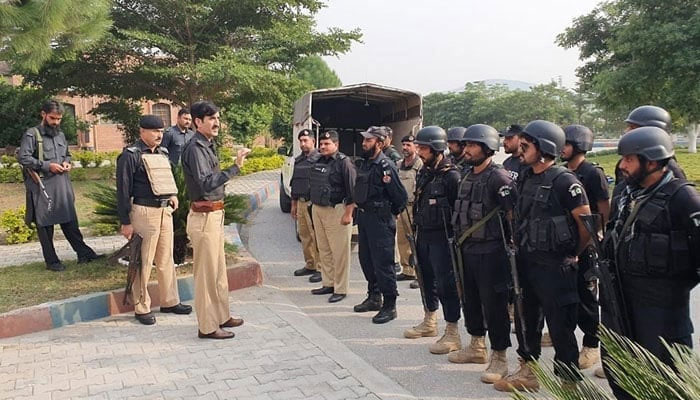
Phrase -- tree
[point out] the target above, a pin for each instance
(34, 31)
(642, 52)
(316, 72)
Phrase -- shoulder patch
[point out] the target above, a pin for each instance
(695, 219)
(504, 191)
(575, 189)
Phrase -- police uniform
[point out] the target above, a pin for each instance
(301, 193)
(205, 228)
(656, 236)
(174, 140)
(392, 154)
(151, 217)
(379, 197)
(332, 187)
(514, 166)
(407, 176)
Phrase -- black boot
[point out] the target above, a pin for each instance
(388, 311)
(373, 302)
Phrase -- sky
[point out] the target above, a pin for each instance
(439, 45)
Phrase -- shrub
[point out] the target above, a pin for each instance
(225, 155)
(262, 164)
(12, 222)
(8, 160)
(85, 157)
(100, 229)
(11, 175)
(260, 151)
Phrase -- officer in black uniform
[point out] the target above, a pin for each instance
(379, 196)
(654, 237)
(549, 235)
(511, 145)
(456, 147)
(485, 195)
(579, 140)
(436, 191)
(388, 148)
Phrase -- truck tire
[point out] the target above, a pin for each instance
(285, 201)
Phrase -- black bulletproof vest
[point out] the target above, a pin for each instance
(432, 206)
(368, 185)
(650, 247)
(474, 203)
(585, 172)
(322, 192)
(301, 179)
(542, 223)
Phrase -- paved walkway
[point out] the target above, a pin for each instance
(279, 353)
(31, 252)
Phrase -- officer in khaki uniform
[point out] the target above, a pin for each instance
(146, 199)
(205, 222)
(332, 188)
(408, 169)
(301, 204)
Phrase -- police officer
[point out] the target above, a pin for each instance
(549, 235)
(511, 145)
(379, 196)
(332, 188)
(388, 148)
(146, 199)
(456, 147)
(485, 194)
(301, 204)
(205, 222)
(44, 154)
(655, 232)
(408, 169)
(175, 137)
(436, 191)
(579, 140)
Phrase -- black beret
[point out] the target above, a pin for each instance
(332, 135)
(305, 132)
(151, 122)
(408, 138)
(512, 130)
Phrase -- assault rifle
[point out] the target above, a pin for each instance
(132, 250)
(413, 260)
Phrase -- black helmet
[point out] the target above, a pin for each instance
(455, 133)
(548, 136)
(432, 136)
(481, 133)
(649, 141)
(580, 137)
(650, 116)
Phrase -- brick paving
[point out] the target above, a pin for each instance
(31, 252)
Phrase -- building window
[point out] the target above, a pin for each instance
(163, 111)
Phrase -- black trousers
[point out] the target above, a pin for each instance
(72, 234)
(589, 307)
(549, 291)
(377, 235)
(486, 291)
(649, 324)
(438, 277)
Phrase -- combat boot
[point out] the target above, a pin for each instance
(450, 341)
(388, 311)
(523, 379)
(373, 302)
(497, 369)
(427, 328)
(475, 353)
(588, 357)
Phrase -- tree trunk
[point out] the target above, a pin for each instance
(693, 131)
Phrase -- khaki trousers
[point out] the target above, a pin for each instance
(155, 225)
(402, 242)
(333, 240)
(206, 233)
(306, 234)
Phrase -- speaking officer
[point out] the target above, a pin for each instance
(579, 140)
(549, 235)
(379, 196)
(408, 169)
(456, 147)
(436, 191)
(655, 235)
(511, 145)
(301, 204)
(146, 199)
(332, 188)
(485, 193)
(205, 222)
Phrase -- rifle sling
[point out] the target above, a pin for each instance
(477, 226)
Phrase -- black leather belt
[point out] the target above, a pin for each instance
(159, 203)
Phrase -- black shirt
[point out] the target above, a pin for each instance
(300, 160)
(174, 140)
(132, 179)
(384, 183)
(594, 183)
(514, 166)
(342, 176)
(204, 178)
(451, 178)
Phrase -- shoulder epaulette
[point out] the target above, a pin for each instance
(132, 149)
(164, 150)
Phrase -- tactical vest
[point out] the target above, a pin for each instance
(407, 176)
(583, 172)
(432, 205)
(322, 193)
(543, 224)
(473, 203)
(650, 247)
(160, 173)
(301, 178)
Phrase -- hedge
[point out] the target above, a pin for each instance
(14, 174)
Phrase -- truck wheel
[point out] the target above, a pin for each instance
(285, 201)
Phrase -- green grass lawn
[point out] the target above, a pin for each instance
(688, 161)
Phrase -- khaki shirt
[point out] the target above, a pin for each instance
(407, 176)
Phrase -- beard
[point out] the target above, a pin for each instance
(636, 178)
(51, 130)
(368, 154)
(474, 161)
